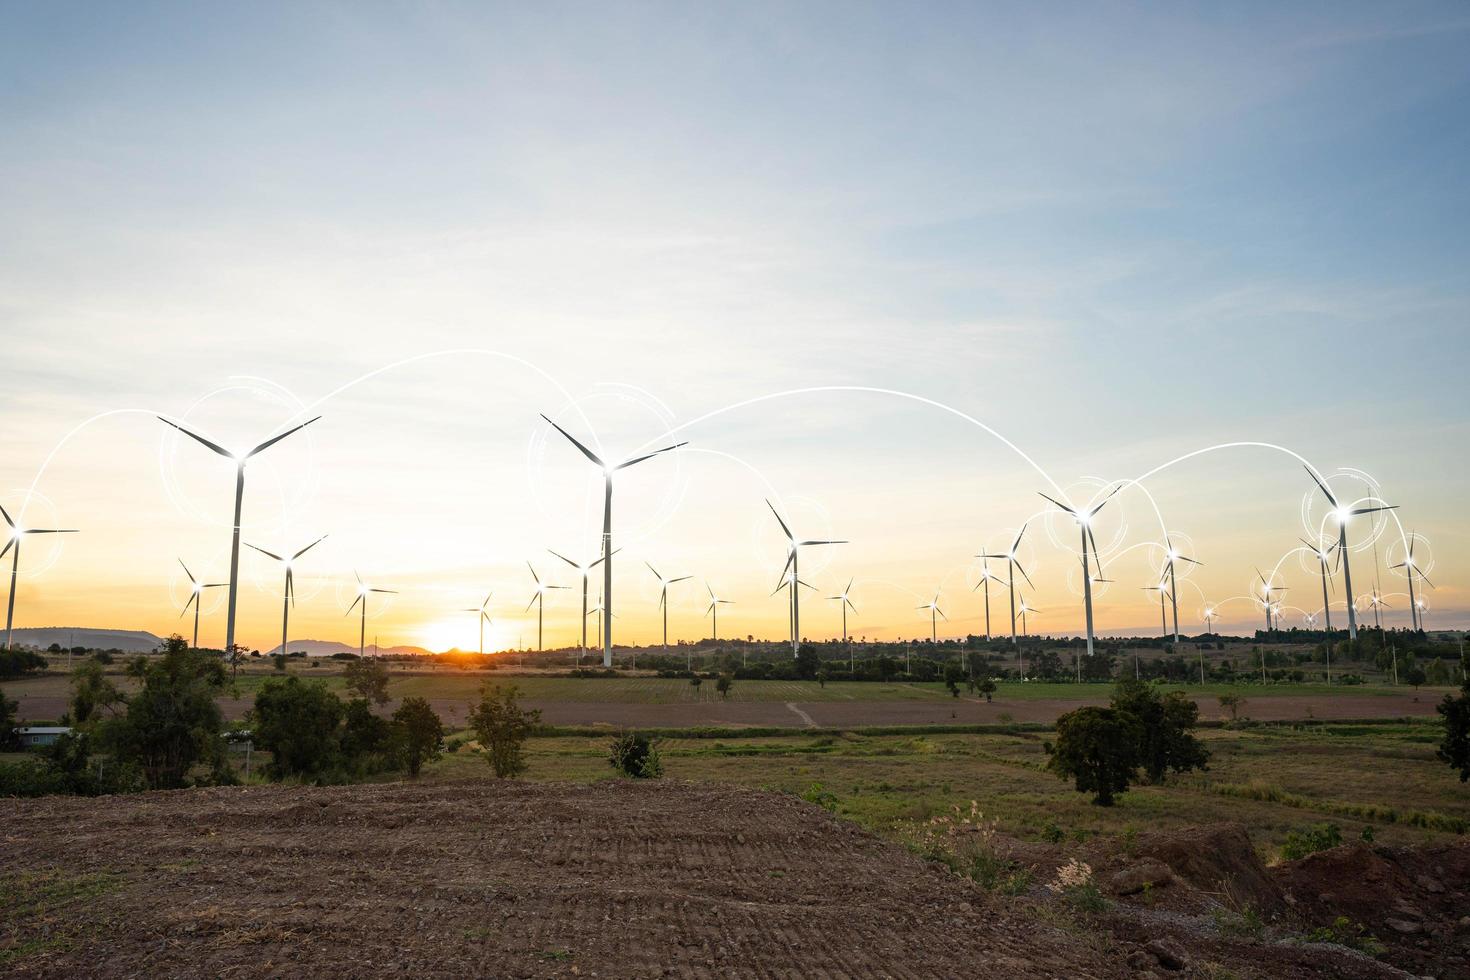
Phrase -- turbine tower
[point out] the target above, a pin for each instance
(607, 550)
(985, 578)
(1322, 554)
(715, 602)
(793, 549)
(16, 533)
(793, 583)
(482, 617)
(663, 597)
(934, 613)
(1013, 565)
(846, 602)
(1343, 515)
(539, 601)
(1410, 570)
(1023, 611)
(1084, 521)
(363, 591)
(288, 596)
(1173, 555)
(239, 459)
(583, 569)
(1162, 590)
(196, 588)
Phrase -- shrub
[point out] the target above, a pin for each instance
(418, 734)
(636, 754)
(368, 679)
(297, 721)
(724, 684)
(502, 728)
(1074, 882)
(1319, 837)
(1454, 748)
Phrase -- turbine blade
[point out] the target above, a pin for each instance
(681, 578)
(585, 451)
(851, 606)
(6, 514)
(5, 549)
(786, 530)
(309, 547)
(1330, 498)
(1059, 504)
(803, 544)
(639, 459)
(533, 572)
(1425, 579)
(290, 587)
(187, 572)
(790, 557)
(533, 601)
(488, 596)
(565, 559)
(941, 614)
(388, 591)
(198, 438)
(264, 552)
(1190, 560)
(47, 530)
(355, 601)
(1028, 577)
(1019, 533)
(653, 570)
(1373, 510)
(275, 439)
(598, 560)
(1110, 496)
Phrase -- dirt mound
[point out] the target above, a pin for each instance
(485, 878)
(1217, 859)
(1415, 900)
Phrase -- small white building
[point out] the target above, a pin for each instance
(33, 736)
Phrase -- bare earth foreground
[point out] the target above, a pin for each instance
(481, 878)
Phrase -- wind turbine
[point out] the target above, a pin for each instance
(1084, 521)
(715, 602)
(1343, 515)
(363, 591)
(793, 583)
(584, 569)
(1377, 602)
(1162, 590)
(1209, 617)
(482, 617)
(846, 604)
(1266, 589)
(607, 549)
(934, 613)
(239, 459)
(794, 547)
(663, 597)
(288, 596)
(1013, 565)
(1023, 611)
(1410, 570)
(985, 578)
(1321, 554)
(1172, 554)
(16, 533)
(196, 588)
(539, 601)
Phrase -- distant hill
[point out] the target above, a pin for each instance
(129, 641)
(325, 648)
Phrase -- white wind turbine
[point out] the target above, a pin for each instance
(985, 578)
(1172, 555)
(1162, 590)
(1322, 555)
(196, 590)
(583, 570)
(16, 534)
(1265, 598)
(288, 595)
(239, 459)
(846, 603)
(1410, 570)
(1022, 611)
(539, 601)
(1377, 602)
(793, 583)
(934, 615)
(792, 556)
(607, 549)
(1343, 514)
(663, 597)
(713, 611)
(363, 591)
(1013, 565)
(1084, 521)
(482, 617)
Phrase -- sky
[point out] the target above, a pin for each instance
(897, 269)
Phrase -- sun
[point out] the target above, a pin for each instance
(447, 634)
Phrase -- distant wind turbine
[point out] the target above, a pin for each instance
(792, 556)
(196, 588)
(1322, 554)
(1013, 565)
(793, 583)
(715, 602)
(1377, 602)
(363, 591)
(1162, 590)
(663, 597)
(934, 614)
(1023, 611)
(607, 549)
(539, 601)
(1172, 554)
(16, 533)
(1084, 521)
(239, 459)
(583, 569)
(1410, 570)
(985, 578)
(482, 617)
(288, 596)
(1266, 591)
(846, 604)
(1344, 514)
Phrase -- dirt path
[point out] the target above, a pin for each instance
(493, 879)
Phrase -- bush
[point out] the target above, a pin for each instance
(64, 767)
(724, 684)
(296, 721)
(1319, 837)
(17, 663)
(636, 754)
(368, 679)
(418, 735)
(502, 728)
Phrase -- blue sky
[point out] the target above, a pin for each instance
(1114, 232)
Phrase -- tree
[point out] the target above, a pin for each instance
(368, 679)
(636, 754)
(1098, 749)
(365, 735)
(1167, 723)
(297, 721)
(808, 662)
(1232, 703)
(16, 663)
(7, 722)
(1454, 748)
(724, 684)
(92, 693)
(987, 688)
(953, 675)
(278, 660)
(502, 728)
(172, 722)
(1415, 676)
(418, 734)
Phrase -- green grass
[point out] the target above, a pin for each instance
(29, 902)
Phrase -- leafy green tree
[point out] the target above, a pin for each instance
(17, 663)
(368, 679)
(172, 722)
(724, 684)
(502, 729)
(1168, 723)
(953, 676)
(7, 723)
(1098, 749)
(418, 734)
(365, 735)
(297, 722)
(1415, 676)
(1454, 748)
(278, 660)
(1232, 703)
(92, 693)
(987, 688)
(808, 662)
(636, 754)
